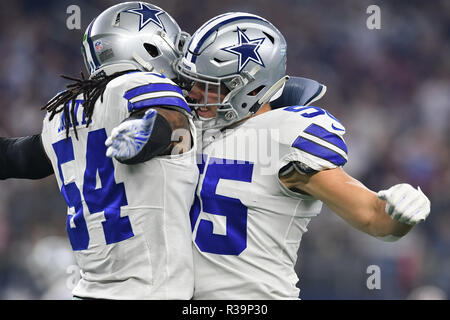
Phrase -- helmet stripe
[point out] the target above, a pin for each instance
(215, 28)
(199, 34)
(204, 26)
(214, 19)
(91, 45)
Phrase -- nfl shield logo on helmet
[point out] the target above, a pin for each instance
(98, 45)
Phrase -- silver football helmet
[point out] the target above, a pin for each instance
(133, 35)
(242, 52)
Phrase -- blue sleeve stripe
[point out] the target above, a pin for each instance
(330, 137)
(150, 88)
(156, 102)
(91, 45)
(319, 151)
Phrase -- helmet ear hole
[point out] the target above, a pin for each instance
(256, 91)
(269, 37)
(152, 50)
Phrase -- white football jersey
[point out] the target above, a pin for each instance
(247, 226)
(128, 224)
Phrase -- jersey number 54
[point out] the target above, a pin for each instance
(108, 198)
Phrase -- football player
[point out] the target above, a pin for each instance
(127, 219)
(250, 214)
(25, 157)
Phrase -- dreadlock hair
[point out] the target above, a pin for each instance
(91, 89)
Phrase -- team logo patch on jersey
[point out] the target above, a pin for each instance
(147, 15)
(246, 50)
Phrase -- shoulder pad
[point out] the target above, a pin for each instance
(315, 137)
(299, 91)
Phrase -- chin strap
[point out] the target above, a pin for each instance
(274, 92)
(145, 64)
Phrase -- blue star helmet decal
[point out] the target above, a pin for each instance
(246, 50)
(147, 15)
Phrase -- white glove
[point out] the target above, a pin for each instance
(405, 204)
(128, 138)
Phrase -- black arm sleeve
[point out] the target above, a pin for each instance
(298, 166)
(159, 141)
(23, 158)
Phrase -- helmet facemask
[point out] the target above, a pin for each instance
(225, 88)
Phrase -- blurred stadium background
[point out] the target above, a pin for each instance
(389, 87)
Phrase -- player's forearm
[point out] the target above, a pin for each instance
(382, 226)
(157, 144)
(180, 140)
(148, 133)
(351, 200)
(361, 208)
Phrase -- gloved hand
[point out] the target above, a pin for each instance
(128, 138)
(406, 204)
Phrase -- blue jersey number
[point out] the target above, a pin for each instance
(235, 213)
(108, 198)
